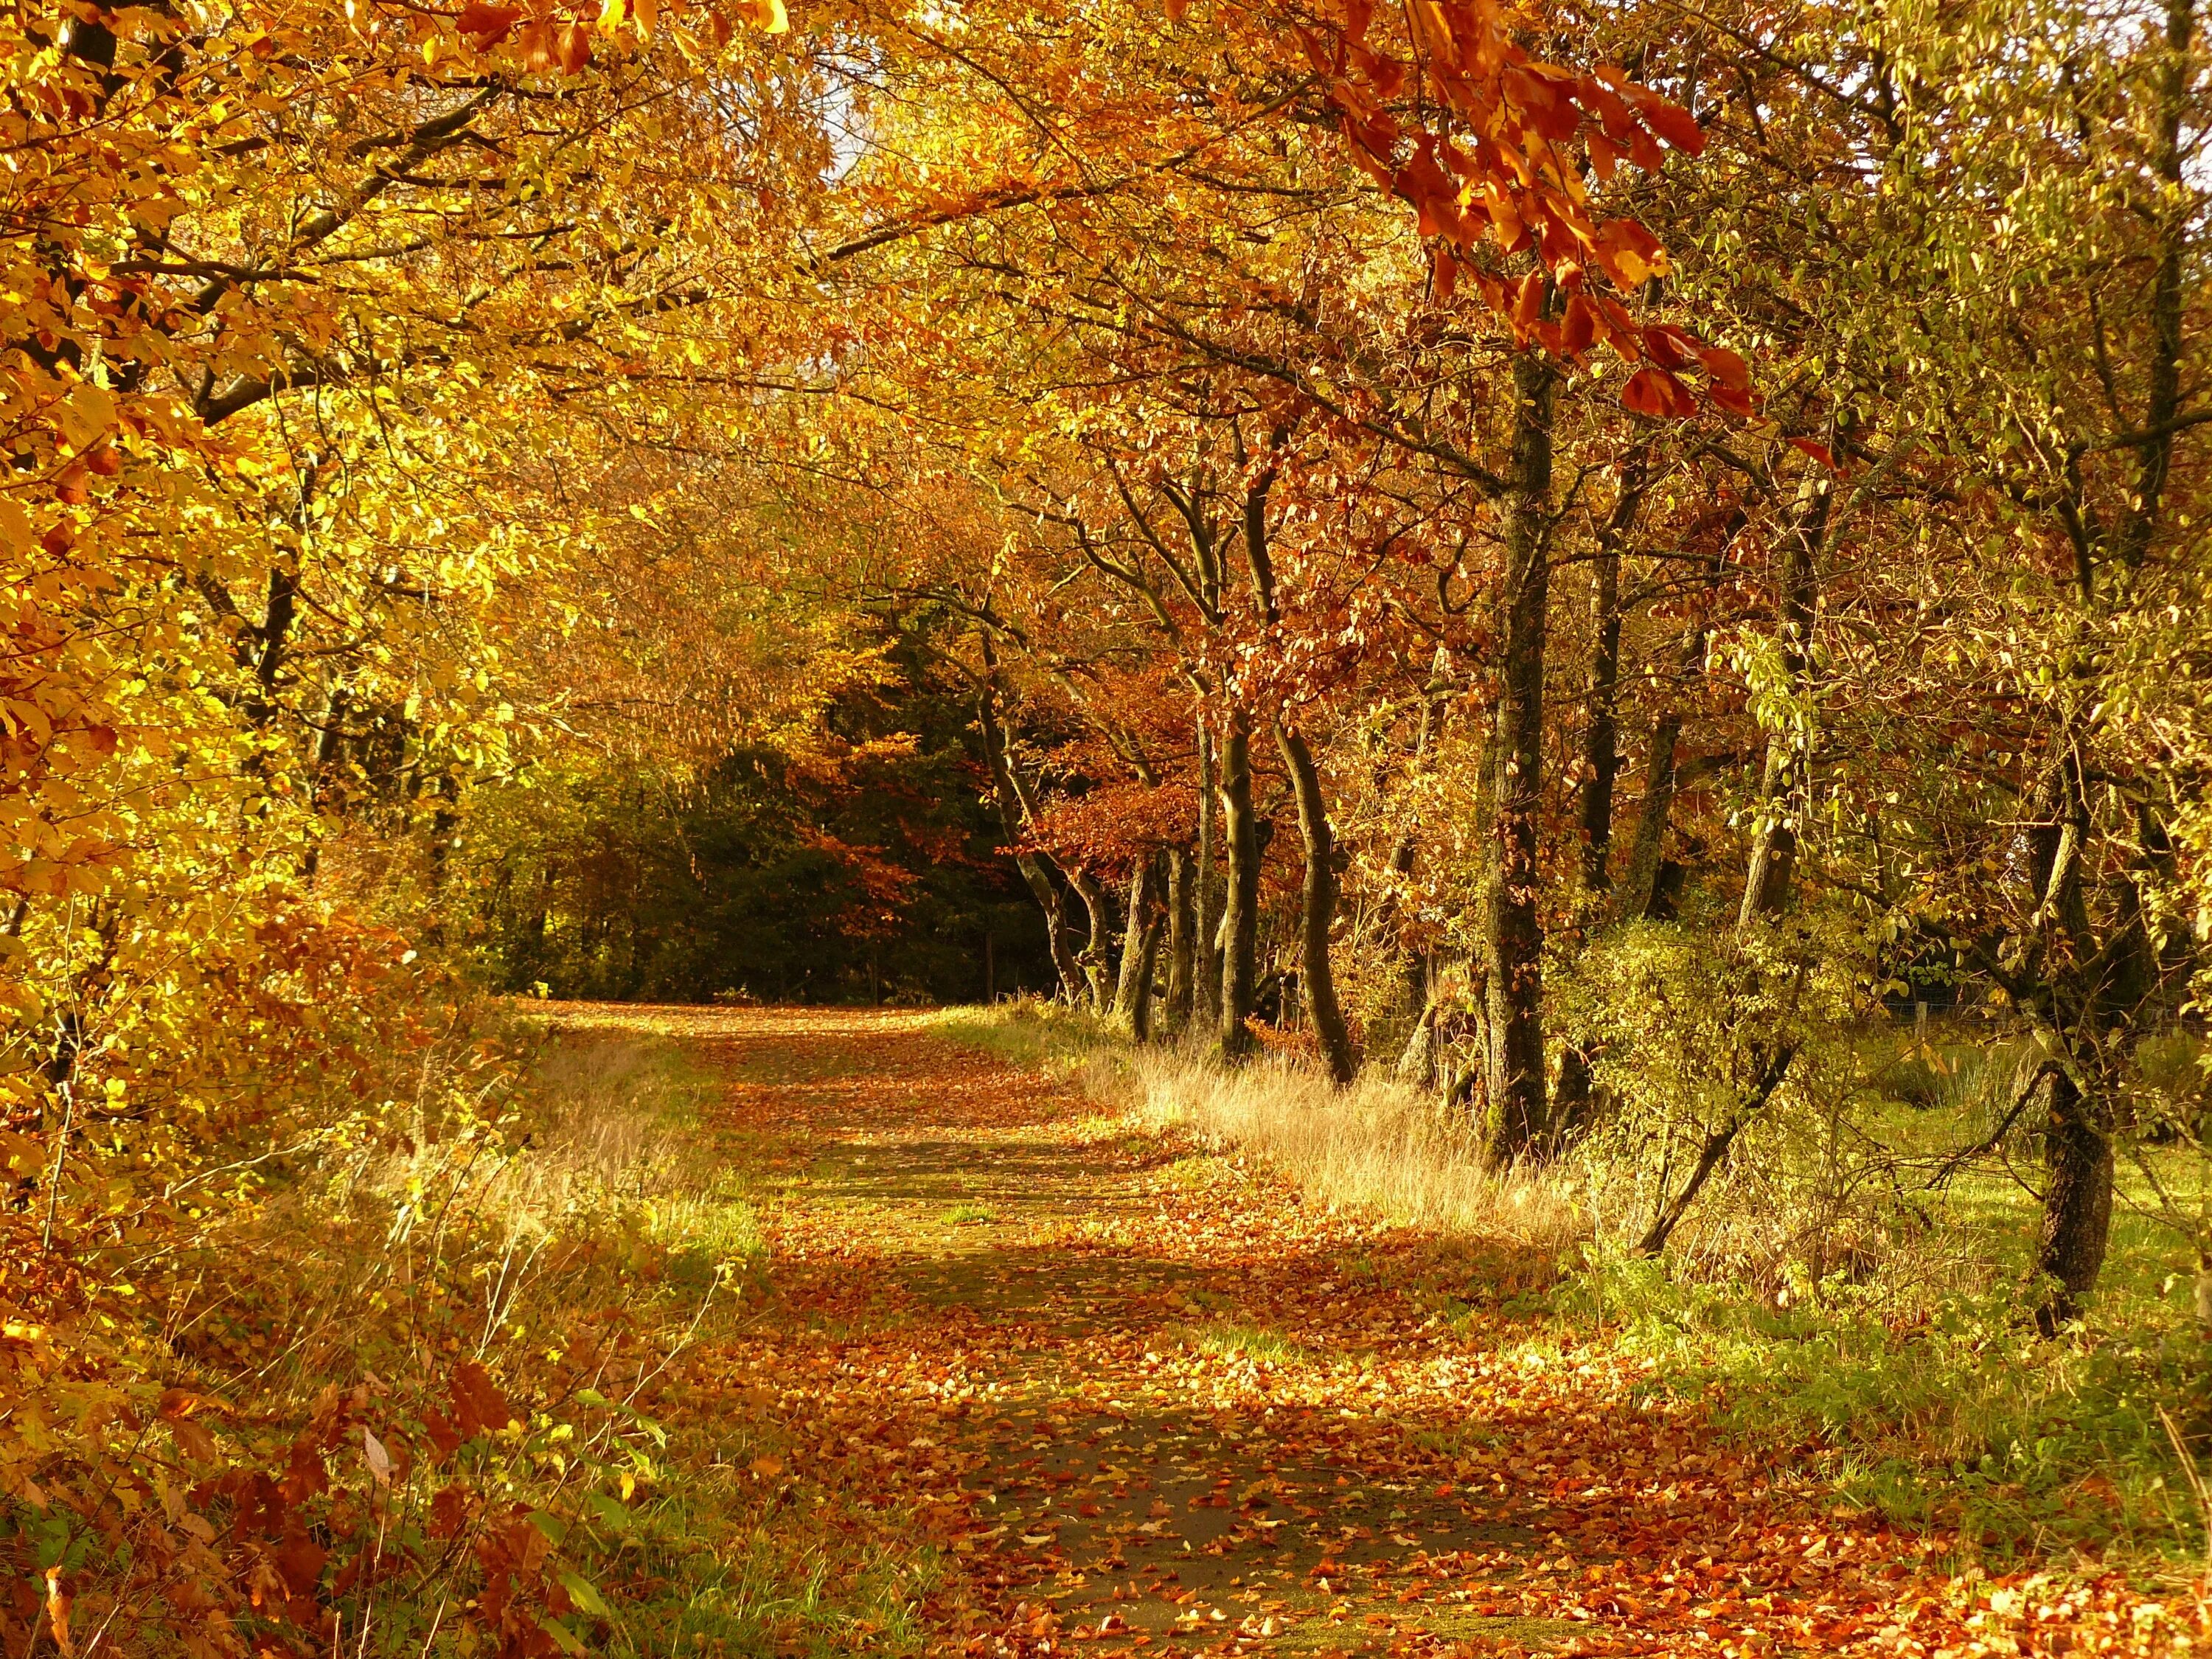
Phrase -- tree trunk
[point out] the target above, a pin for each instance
(1139, 943)
(2077, 1205)
(1007, 794)
(1320, 906)
(1208, 1003)
(1516, 1124)
(1773, 861)
(1241, 913)
(1417, 1063)
(1640, 890)
(1183, 937)
(1098, 910)
(1601, 731)
(1715, 1149)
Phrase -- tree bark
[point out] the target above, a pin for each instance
(1319, 911)
(1208, 1003)
(1034, 875)
(1517, 1124)
(2089, 998)
(2077, 1205)
(1417, 1062)
(1140, 945)
(1240, 920)
(1098, 910)
(1773, 861)
(1640, 890)
(1601, 729)
(1183, 937)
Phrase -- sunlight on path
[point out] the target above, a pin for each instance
(1146, 1400)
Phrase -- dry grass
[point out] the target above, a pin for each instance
(1378, 1145)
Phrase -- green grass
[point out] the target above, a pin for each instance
(960, 1215)
(1233, 1340)
(1046, 1036)
(1924, 1388)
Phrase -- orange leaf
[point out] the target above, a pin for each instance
(536, 44)
(1578, 328)
(58, 1613)
(1673, 124)
(574, 48)
(1529, 303)
(486, 26)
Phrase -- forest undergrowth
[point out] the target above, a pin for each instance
(1881, 1330)
(413, 1388)
(651, 1332)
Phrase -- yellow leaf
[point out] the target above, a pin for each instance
(610, 15)
(16, 533)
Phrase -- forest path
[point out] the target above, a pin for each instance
(1147, 1400)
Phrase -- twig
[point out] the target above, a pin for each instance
(2196, 1480)
(1996, 1139)
(61, 1151)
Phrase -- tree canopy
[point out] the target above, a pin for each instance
(1574, 555)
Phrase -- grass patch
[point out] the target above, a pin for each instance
(970, 1215)
(1239, 1341)
(1377, 1146)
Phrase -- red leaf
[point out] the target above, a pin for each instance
(1673, 123)
(477, 1403)
(1604, 156)
(443, 1435)
(448, 1510)
(301, 1560)
(1818, 451)
(1655, 393)
(1668, 346)
(1726, 367)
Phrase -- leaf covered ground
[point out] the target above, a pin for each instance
(1127, 1393)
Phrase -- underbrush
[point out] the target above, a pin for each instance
(422, 1388)
(1378, 1145)
(1829, 1294)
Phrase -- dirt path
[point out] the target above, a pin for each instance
(1144, 1399)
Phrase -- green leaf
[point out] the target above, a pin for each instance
(612, 1512)
(565, 1637)
(549, 1523)
(586, 1596)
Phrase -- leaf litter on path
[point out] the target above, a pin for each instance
(1146, 1400)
